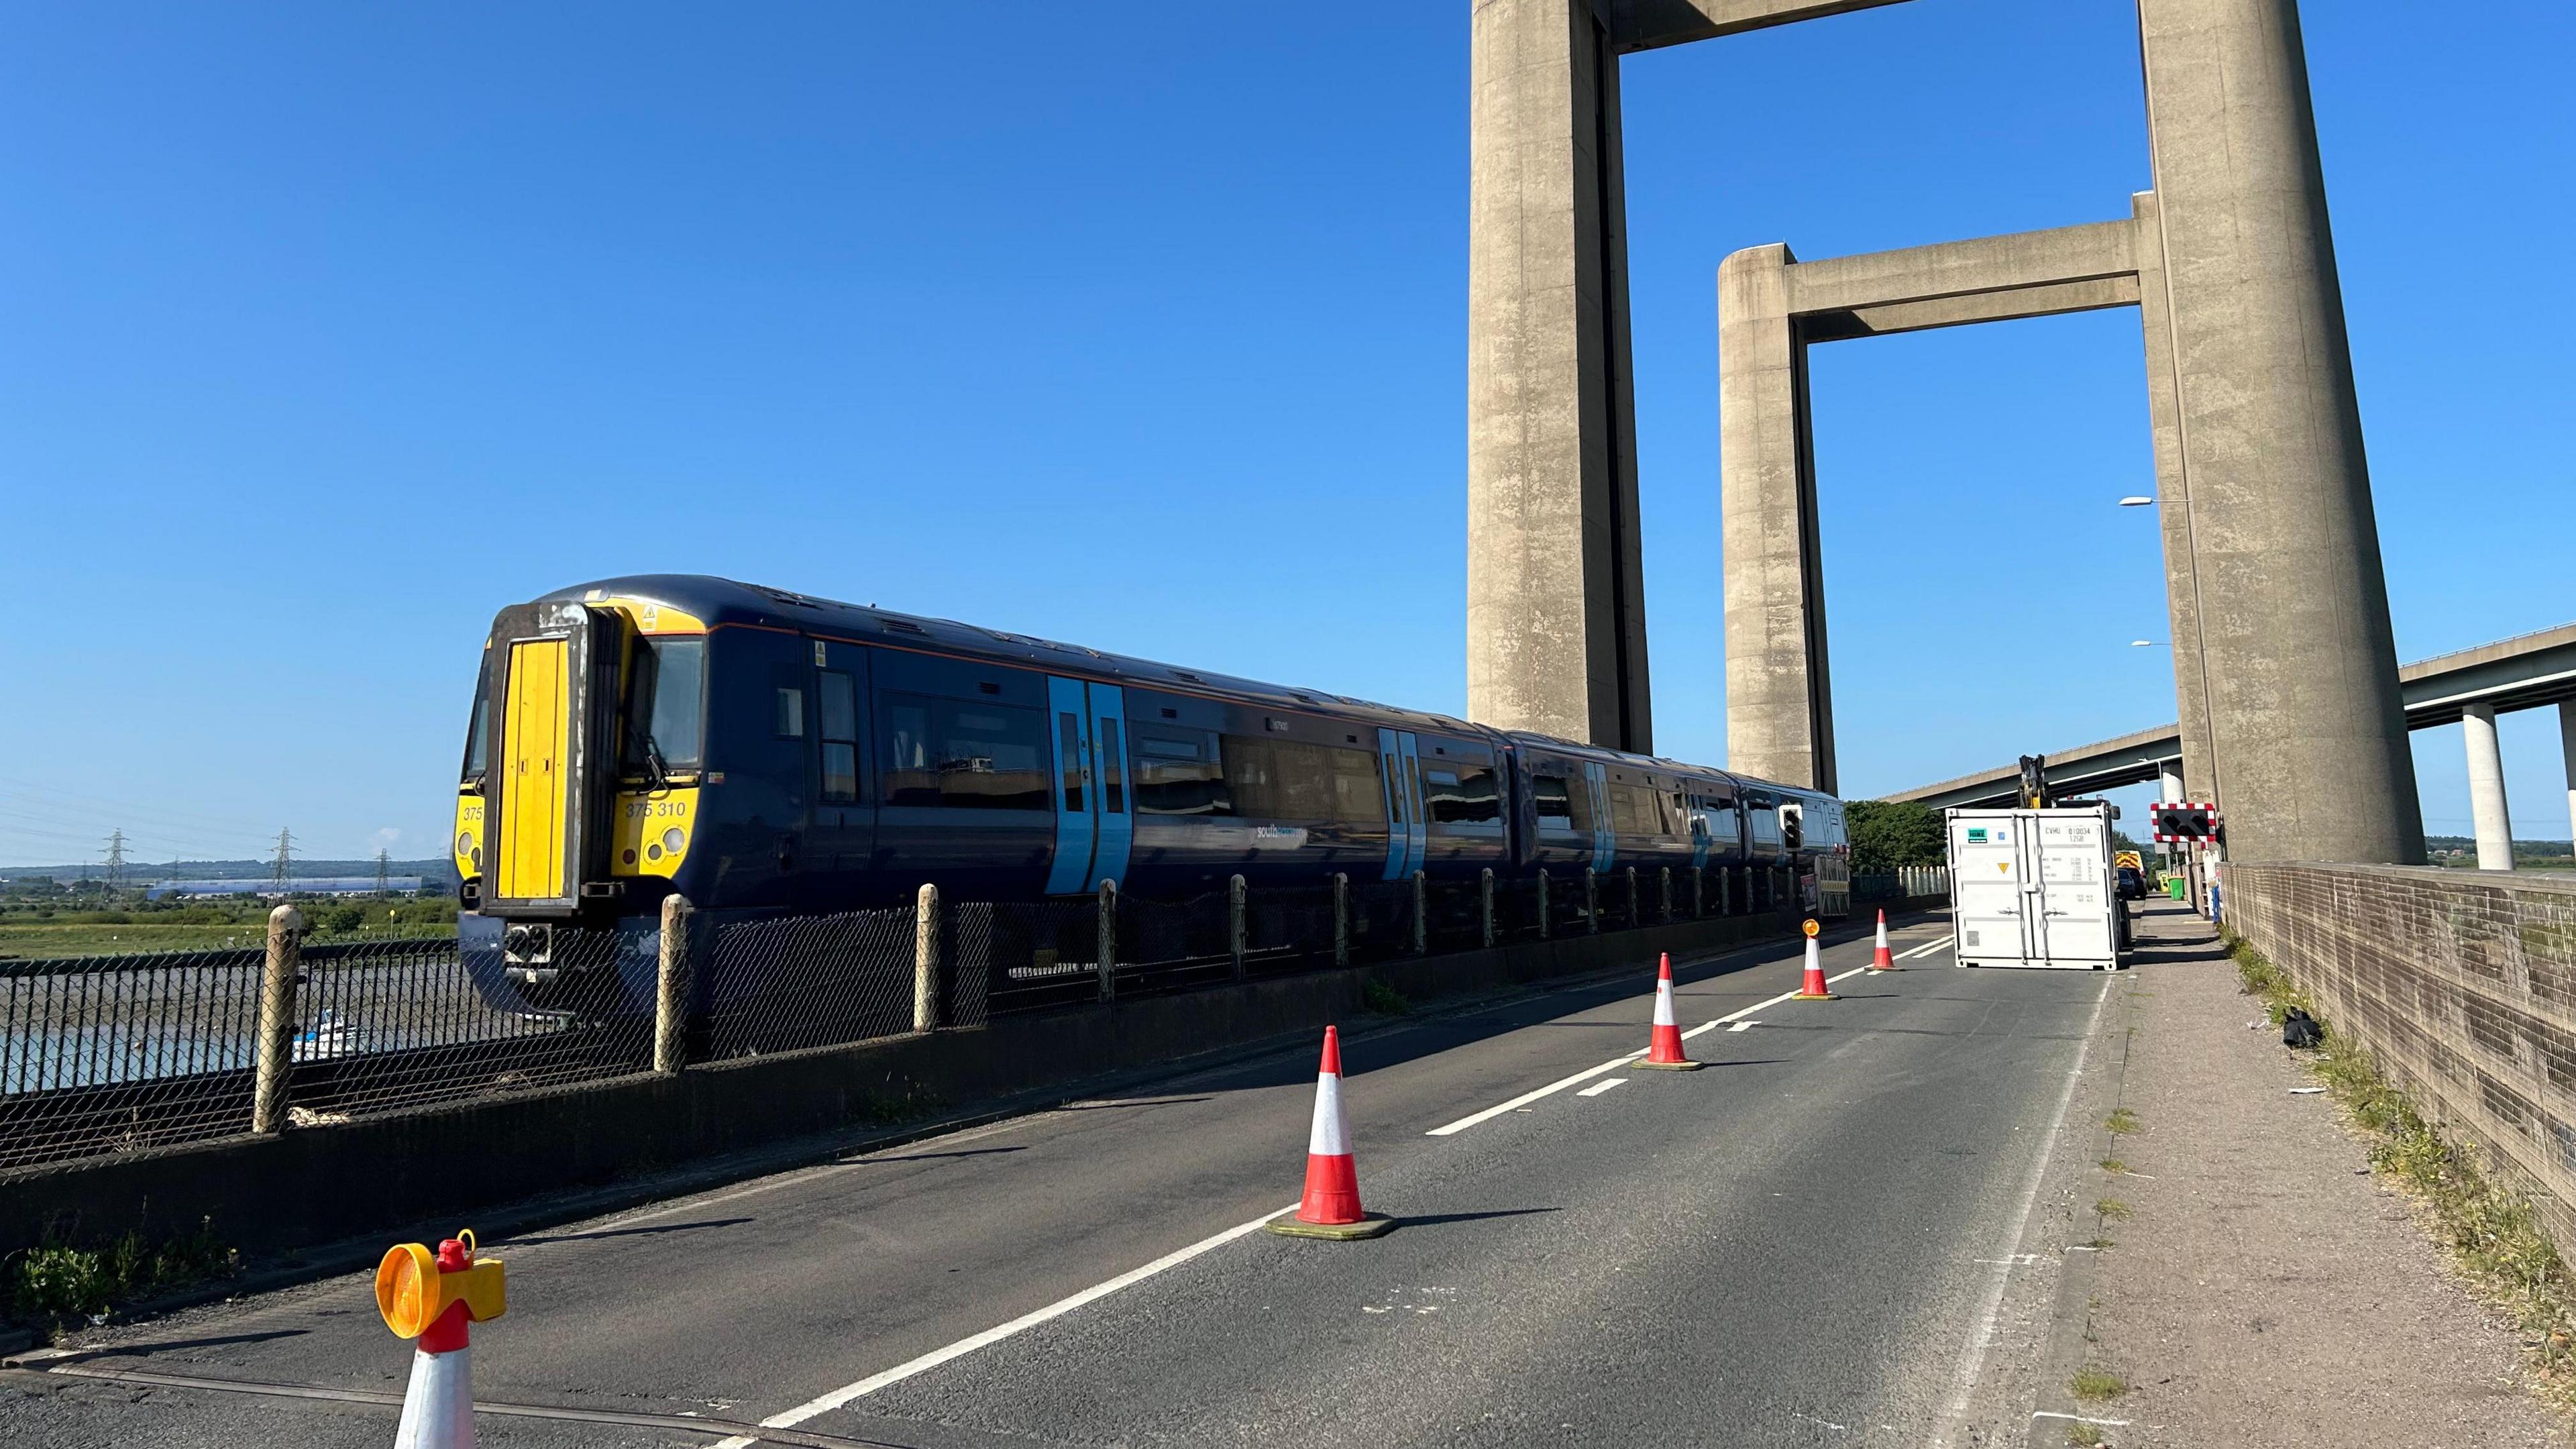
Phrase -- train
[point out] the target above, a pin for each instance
(768, 753)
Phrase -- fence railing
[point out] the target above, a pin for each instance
(100, 1055)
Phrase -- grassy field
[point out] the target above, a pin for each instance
(28, 939)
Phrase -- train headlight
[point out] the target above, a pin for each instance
(465, 843)
(673, 839)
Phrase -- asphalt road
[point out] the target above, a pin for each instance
(1806, 1243)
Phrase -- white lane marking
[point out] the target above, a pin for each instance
(1525, 1098)
(933, 1359)
(1614, 1064)
(1972, 1358)
(1744, 1026)
(1925, 949)
(1599, 1087)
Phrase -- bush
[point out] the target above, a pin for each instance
(1888, 834)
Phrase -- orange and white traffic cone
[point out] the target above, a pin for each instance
(1811, 987)
(1332, 1205)
(1665, 1050)
(432, 1298)
(1879, 959)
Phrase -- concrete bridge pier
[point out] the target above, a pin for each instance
(2567, 752)
(2492, 821)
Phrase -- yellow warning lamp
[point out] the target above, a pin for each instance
(1811, 927)
(415, 1287)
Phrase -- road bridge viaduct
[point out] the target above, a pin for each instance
(2285, 664)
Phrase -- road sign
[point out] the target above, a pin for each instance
(2179, 821)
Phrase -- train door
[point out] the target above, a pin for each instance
(1399, 756)
(1094, 821)
(1605, 831)
(845, 820)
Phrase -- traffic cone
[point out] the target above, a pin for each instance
(432, 1298)
(1879, 959)
(1665, 1052)
(1332, 1205)
(1811, 987)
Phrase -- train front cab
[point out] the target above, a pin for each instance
(570, 818)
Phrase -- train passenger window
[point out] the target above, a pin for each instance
(1461, 794)
(839, 706)
(1631, 810)
(1068, 740)
(1358, 797)
(964, 756)
(790, 715)
(1113, 769)
(1555, 805)
(1177, 773)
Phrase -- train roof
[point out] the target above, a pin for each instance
(721, 601)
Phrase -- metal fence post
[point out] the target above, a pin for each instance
(1699, 892)
(277, 1018)
(925, 960)
(1725, 897)
(1421, 915)
(1108, 940)
(1635, 919)
(1591, 899)
(1234, 928)
(1543, 922)
(671, 987)
(1485, 887)
(1341, 919)
(1664, 890)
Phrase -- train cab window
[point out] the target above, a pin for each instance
(1113, 769)
(475, 743)
(839, 711)
(964, 756)
(1177, 773)
(1461, 794)
(1555, 805)
(666, 693)
(790, 715)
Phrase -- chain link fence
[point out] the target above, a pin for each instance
(111, 1054)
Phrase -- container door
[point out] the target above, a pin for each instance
(1399, 758)
(1077, 829)
(1986, 878)
(1116, 821)
(2027, 868)
(536, 753)
(2075, 886)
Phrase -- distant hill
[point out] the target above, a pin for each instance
(2532, 848)
(438, 870)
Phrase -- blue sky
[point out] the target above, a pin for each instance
(326, 331)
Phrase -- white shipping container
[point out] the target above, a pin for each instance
(2035, 888)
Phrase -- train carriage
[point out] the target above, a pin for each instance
(765, 752)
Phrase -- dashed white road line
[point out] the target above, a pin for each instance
(1926, 949)
(933, 1359)
(1451, 1129)
(1744, 1026)
(1599, 1087)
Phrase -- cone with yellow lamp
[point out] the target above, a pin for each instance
(432, 1297)
(1811, 986)
(1664, 1050)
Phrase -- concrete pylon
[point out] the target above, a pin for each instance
(1556, 604)
(2299, 664)
(2489, 814)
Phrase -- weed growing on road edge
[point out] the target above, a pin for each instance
(2492, 1231)
(2083, 1435)
(2093, 1384)
(2113, 1210)
(1383, 999)
(57, 1281)
(2112, 1165)
(2121, 1122)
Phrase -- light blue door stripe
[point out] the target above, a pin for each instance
(1605, 840)
(1070, 874)
(1117, 826)
(1416, 831)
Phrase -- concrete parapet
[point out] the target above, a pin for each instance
(2462, 985)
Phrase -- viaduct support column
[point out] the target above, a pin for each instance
(1556, 617)
(2567, 751)
(2487, 805)
(2304, 716)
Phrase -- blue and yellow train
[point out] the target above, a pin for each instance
(763, 752)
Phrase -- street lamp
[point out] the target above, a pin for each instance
(2146, 644)
(2136, 500)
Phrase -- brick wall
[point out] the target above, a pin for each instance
(2463, 984)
